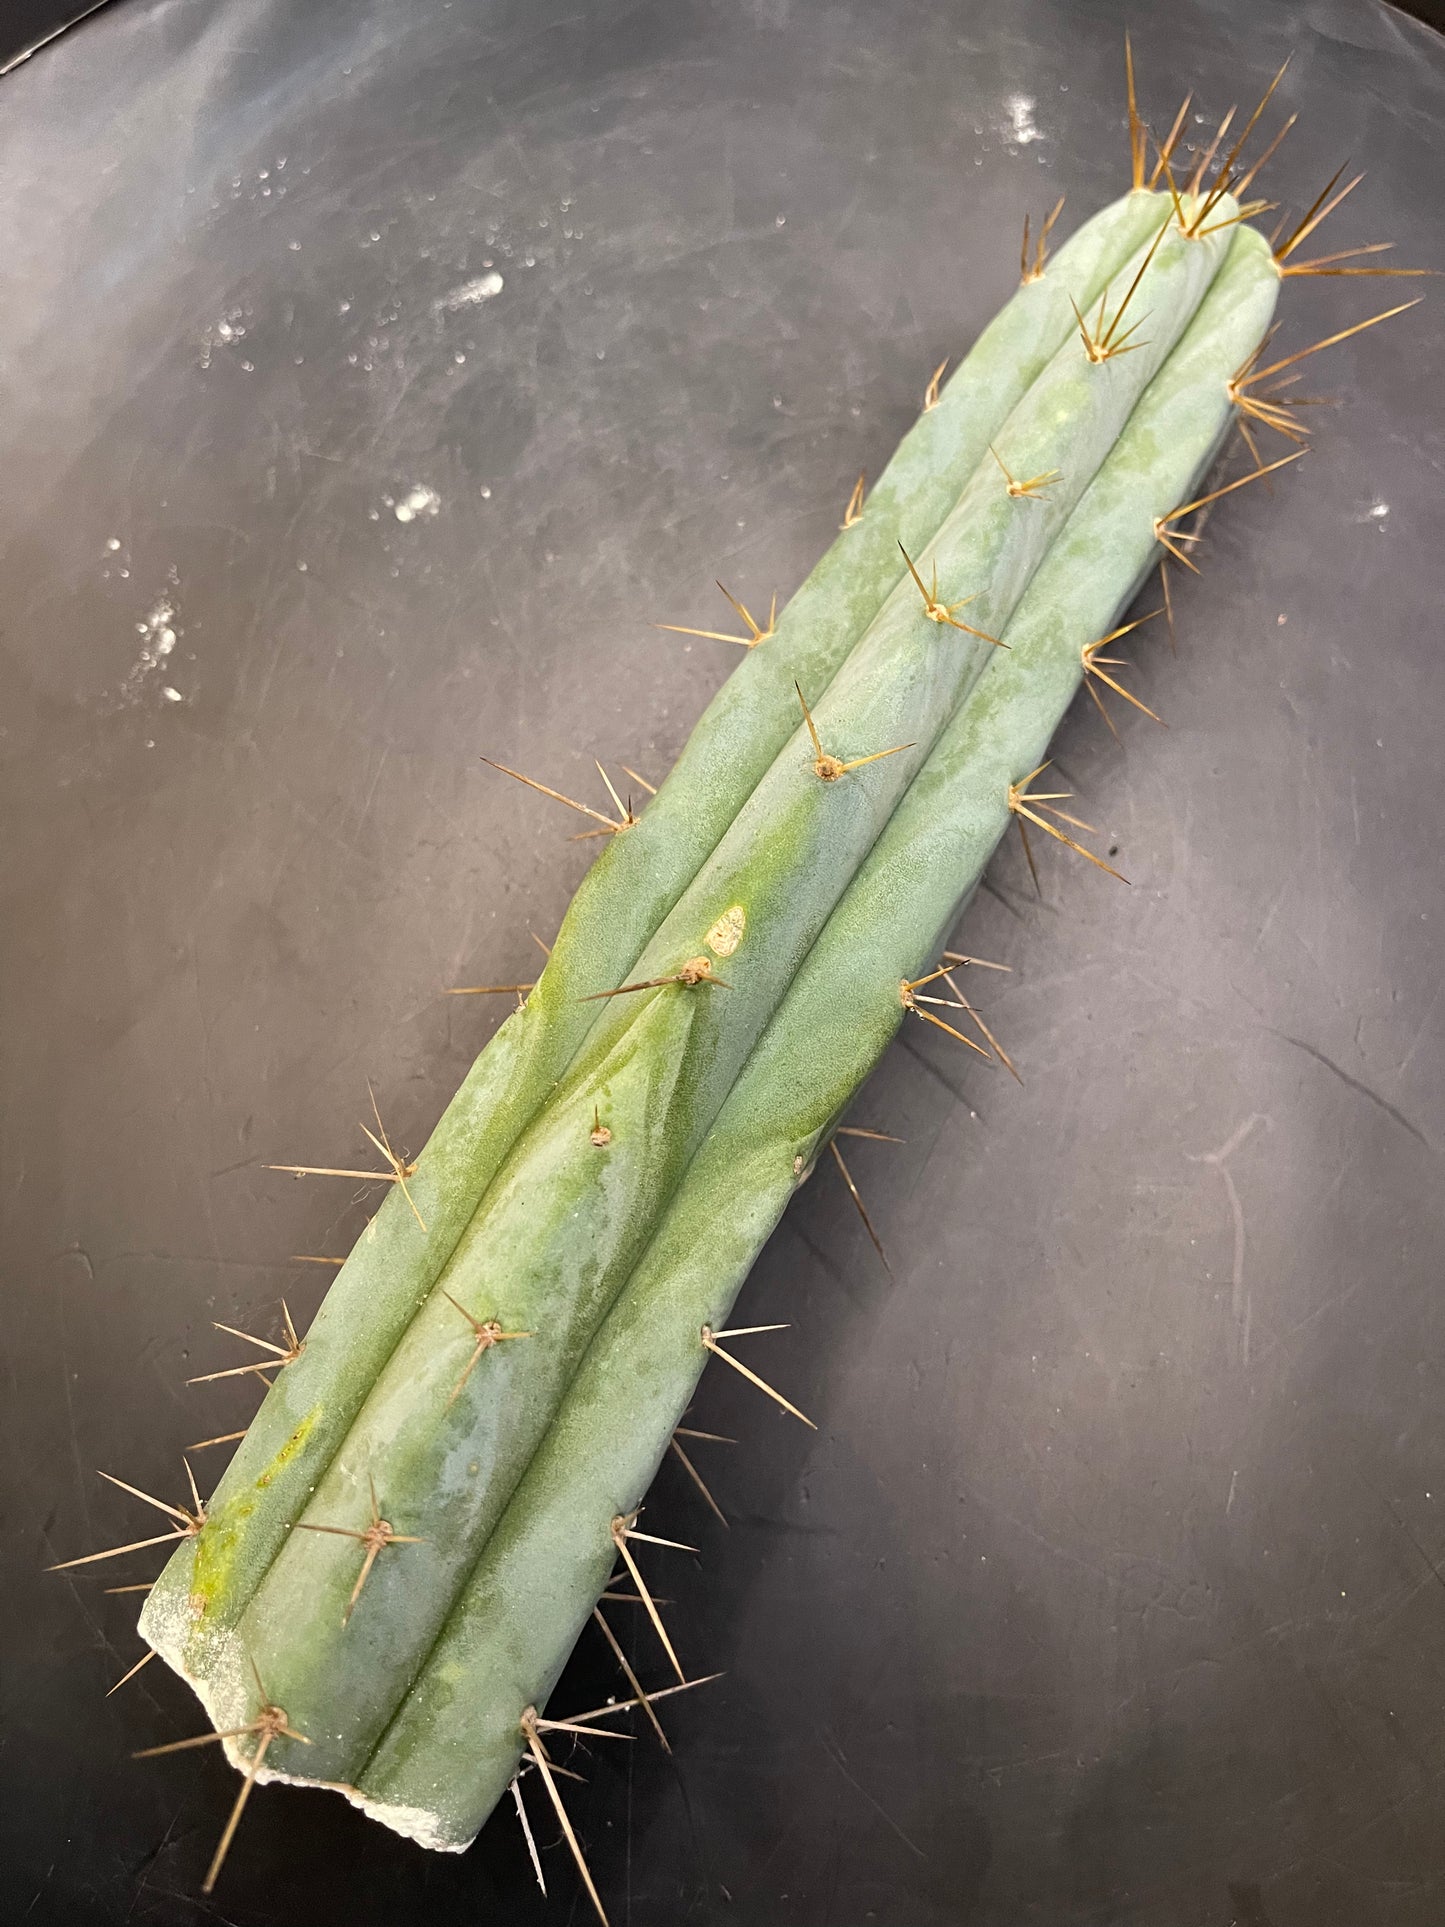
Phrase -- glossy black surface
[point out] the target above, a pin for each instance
(1108, 1590)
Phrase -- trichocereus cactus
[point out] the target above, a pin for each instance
(383, 1590)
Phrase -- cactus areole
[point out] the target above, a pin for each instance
(383, 1590)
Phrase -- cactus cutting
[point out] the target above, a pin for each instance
(450, 1465)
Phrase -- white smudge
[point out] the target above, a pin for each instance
(419, 500)
(224, 333)
(159, 634)
(1022, 127)
(172, 695)
(471, 293)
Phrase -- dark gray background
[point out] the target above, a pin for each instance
(1108, 1590)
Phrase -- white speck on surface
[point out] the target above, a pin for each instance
(222, 334)
(780, 220)
(486, 493)
(172, 695)
(482, 287)
(295, 246)
(418, 501)
(1022, 128)
(113, 543)
(1379, 511)
(158, 633)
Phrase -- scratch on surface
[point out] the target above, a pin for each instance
(1241, 1301)
(1424, 1023)
(1355, 1085)
(1263, 930)
(1430, 1564)
(835, 1753)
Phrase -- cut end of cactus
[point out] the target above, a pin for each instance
(224, 1689)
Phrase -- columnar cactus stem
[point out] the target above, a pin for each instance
(442, 1476)
(622, 901)
(560, 1228)
(454, 1741)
